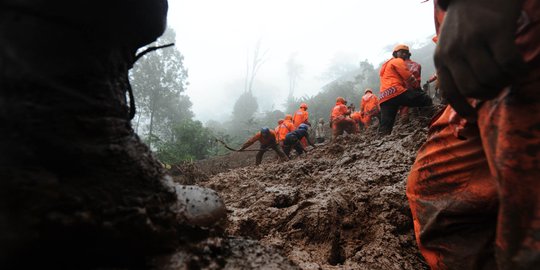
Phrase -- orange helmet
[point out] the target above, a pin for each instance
(401, 47)
(303, 105)
(280, 121)
(288, 117)
(340, 100)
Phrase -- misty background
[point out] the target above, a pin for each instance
(240, 65)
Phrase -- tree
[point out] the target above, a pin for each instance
(243, 121)
(159, 79)
(294, 71)
(164, 114)
(190, 141)
(257, 61)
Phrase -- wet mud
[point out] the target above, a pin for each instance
(341, 206)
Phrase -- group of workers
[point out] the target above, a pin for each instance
(473, 189)
(291, 133)
(400, 88)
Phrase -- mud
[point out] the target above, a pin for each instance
(341, 206)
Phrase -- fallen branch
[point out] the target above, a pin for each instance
(237, 150)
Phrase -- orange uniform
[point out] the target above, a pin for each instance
(369, 107)
(265, 141)
(416, 71)
(396, 89)
(473, 189)
(394, 76)
(282, 129)
(269, 141)
(357, 118)
(340, 120)
(300, 117)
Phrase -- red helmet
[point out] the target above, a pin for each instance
(303, 105)
(280, 121)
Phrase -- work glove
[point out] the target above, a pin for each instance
(477, 58)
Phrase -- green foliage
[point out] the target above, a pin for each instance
(246, 105)
(164, 117)
(243, 120)
(350, 86)
(349, 81)
(190, 141)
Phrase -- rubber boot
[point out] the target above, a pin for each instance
(78, 189)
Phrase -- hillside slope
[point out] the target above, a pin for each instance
(341, 206)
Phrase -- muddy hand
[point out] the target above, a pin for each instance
(476, 56)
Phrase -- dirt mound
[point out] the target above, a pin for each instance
(341, 206)
(187, 173)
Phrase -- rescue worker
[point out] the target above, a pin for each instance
(277, 128)
(289, 119)
(282, 129)
(473, 189)
(369, 107)
(340, 120)
(320, 133)
(395, 79)
(292, 140)
(78, 188)
(301, 116)
(416, 71)
(357, 118)
(268, 140)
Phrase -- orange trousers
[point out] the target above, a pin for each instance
(476, 201)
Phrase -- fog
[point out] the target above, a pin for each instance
(216, 37)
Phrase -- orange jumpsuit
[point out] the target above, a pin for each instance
(474, 188)
(357, 118)
(416, 71)
(301, 117)
(340, 121)
(282, 130)
(369, 108)
(395, 77)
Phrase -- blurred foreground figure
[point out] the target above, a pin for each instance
(78, 189)
(474, 188)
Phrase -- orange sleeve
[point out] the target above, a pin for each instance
(343, 109)
(252, 140)
(290, 127)
(401, 68)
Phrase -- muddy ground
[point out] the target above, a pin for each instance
(341, 206)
